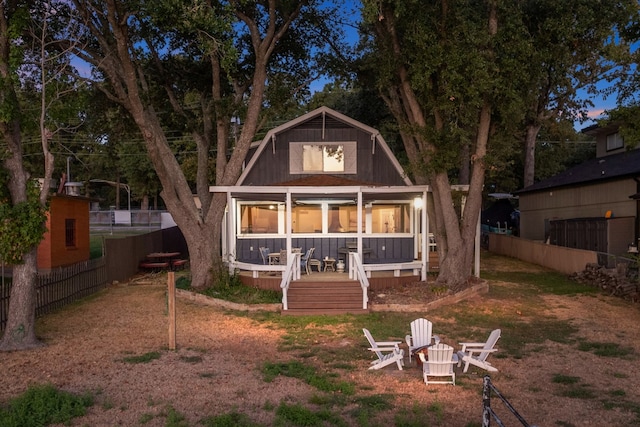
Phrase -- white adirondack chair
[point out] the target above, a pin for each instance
(439, 364)
(421, 330)
(388, 352)
(476, 353)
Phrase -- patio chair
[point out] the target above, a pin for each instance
(476, 353)
(439, 364)
(421, 330)
(388, 352)
(264, 253)
(304, 260)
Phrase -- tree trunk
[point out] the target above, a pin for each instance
(530, 154)
(20, 333)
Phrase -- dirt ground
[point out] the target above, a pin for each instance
(215, 369)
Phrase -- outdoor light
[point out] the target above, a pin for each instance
(417, 202)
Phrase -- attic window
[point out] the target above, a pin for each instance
(319, 158)
(614, 141)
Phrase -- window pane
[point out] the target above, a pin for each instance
(343, 219)
(306, 219)
(390, 218)
(614, 141)
(322, 158)
(259, 218)
(333, 158)
(312, 158)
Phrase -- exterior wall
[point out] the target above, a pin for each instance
(601, 144)
(52, 251)
(588, 201)
(373, 165)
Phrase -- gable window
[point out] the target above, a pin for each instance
(614, 141)
(319, 158)
(322, 158)
(70, 233)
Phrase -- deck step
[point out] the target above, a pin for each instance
(336, 297)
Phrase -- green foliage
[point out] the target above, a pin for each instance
(229, 287)
(22, 225)
(233, 419)
(43, 405)
(183, 282)
(174, 418)
(298, 415)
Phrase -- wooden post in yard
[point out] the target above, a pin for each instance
(171, 296)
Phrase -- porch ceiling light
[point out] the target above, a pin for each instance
(417, 202)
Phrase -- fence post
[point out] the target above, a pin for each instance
(486, 401)
(171, 295)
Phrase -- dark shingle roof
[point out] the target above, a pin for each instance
(604, 168)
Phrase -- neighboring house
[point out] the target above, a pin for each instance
(328, 182)
(66, 241)
(594, 205)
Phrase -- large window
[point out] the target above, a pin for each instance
(343, 219)
(391, 218)
(614, 141)
(259, 218)
(325, 216)
(306, 219)
(319, 158)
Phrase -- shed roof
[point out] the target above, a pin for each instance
(615, 166)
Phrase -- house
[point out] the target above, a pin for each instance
(66, 241)
(326, 181)
(594, 205)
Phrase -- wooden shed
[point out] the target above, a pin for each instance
(66, 241)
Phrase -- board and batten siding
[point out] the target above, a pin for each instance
(587, 201)
(373, 165)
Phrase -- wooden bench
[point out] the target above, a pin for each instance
(396, 267)
(154, 265)
(179, 263)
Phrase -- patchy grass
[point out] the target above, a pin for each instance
(322, 381)
(44, 405)
(606, 349)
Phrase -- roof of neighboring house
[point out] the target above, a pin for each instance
(604, 168)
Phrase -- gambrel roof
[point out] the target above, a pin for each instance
(379, 165)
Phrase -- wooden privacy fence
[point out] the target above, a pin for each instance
(61, 286)
(487, 411)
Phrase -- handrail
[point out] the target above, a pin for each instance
(292, 272)
(488, 412)
(356, 272)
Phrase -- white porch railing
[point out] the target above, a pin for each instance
(291, 272)
(356, 272)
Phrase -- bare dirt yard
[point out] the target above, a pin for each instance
(216, 368)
